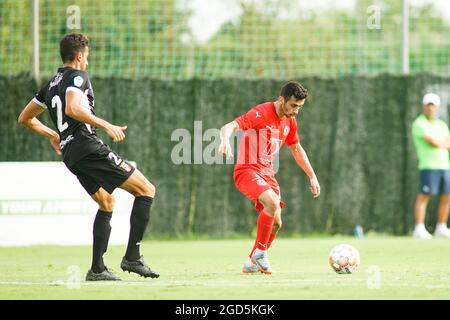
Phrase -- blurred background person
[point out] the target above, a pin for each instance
(432, 141)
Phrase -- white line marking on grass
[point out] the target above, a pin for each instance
(62, 283)
(224, 283)
(205, 282)
(166, 283)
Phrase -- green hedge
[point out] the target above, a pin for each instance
(356, 131)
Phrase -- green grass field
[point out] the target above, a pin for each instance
(391, 268)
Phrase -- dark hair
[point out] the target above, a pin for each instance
(293, 89)
(71, 44)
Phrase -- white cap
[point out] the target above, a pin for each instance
(431, 98)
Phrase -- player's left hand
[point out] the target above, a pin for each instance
(54, 141)
(314, 187)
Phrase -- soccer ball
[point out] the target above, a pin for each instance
(344, 258)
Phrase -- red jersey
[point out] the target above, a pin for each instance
(264, 135)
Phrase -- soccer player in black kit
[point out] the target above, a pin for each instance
(69, 98)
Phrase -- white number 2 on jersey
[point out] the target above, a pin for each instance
(115, 158)
(56, 103)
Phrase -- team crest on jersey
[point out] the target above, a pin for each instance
(286, 131)
(78, 81)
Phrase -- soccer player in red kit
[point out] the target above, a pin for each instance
(266, 128)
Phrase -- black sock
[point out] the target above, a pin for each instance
(101, 232)
(140, 215)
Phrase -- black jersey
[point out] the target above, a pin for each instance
(77, 139)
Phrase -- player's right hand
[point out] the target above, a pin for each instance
(54, 141)
(225, 149)
(117, 133)
(314, 187)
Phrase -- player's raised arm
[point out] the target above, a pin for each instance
(75, 110)
(225, 133)
(28, 118)
(302, 160)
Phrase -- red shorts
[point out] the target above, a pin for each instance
(251, 183)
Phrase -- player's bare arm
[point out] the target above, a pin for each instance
(302, 160)
(78, 112)
(225, 133)
(28, 118)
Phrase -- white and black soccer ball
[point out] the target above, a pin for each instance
(344, 259)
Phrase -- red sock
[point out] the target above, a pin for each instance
(253, 250)
(271, 238)
(265, 223)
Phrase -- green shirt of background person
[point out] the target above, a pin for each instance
(427, 135)
(432, 141)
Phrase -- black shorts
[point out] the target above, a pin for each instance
(103, 168)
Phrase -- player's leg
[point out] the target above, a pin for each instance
(144, 192)
(102, 228)
(277, 223)
(254, 187)
(101, 233)
(86, 172)
(138, 185)
(277, 218)
(249, 266)
(108, 170)
(442, 230)
(271, 208)
(420, 206)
